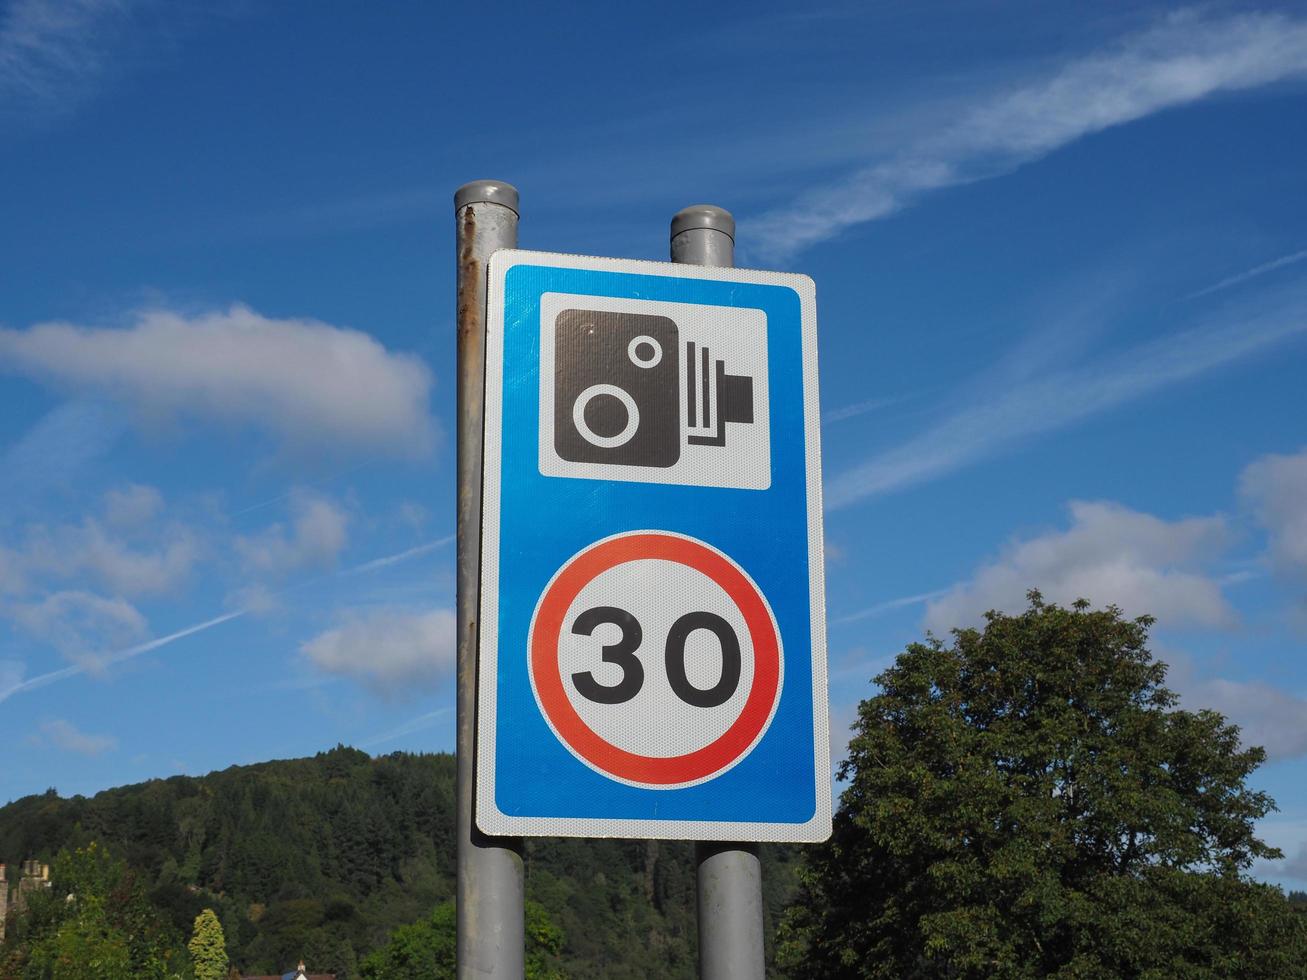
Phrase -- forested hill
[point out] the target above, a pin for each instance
(323, 857)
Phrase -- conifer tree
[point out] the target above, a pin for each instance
(208, 947)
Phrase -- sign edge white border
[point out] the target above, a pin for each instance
(488, 817)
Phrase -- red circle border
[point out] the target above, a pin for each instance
(588, 745)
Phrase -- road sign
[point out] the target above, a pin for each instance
(652, 636)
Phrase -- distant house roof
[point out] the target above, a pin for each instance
(299, 973)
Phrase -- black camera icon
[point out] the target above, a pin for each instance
(619, 390)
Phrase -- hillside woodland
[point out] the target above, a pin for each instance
(323, 858)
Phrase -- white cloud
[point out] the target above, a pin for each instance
(391, 651)
(1184, 58)
(257, 600)
(317, 535)
(11, 674)
(88, 548)
(1007, 412)
(1266, 715)
(66, 736)
(309, 383)
(414, 515)
(1296, 867)
(84, 627)
(1110, 555)
(1276, 488)
(132, 505)
(12, 578)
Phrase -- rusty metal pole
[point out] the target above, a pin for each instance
(491, 932)
(730, 875)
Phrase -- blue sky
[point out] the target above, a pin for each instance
(1061, 259)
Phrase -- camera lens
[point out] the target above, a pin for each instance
(644, 351)
(583, 401)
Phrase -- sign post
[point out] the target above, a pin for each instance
(729, 879)
(490, 906)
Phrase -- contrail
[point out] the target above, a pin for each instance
(42, 680)
(888, 606)
(408, 728)
(1253, 273)
(376, 563)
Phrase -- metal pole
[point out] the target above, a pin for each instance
(730, 876)
(491, 932)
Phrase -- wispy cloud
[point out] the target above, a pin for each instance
(317, 535)
(65, 735)
(54, 451)
(57, 54)
(1006, 414)
(50, 49)
(1253, 273)
(80, 625)
(1186, 57)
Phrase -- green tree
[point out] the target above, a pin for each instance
(427, 950)
(1028, 801)
(95, 923)
(208, 947)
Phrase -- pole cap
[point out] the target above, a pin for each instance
(704, 216)
(486, 192)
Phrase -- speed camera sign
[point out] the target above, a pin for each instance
(652, 636)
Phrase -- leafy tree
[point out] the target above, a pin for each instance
(208, 947)
(1028, 802)
(95, 923)
(427, 950)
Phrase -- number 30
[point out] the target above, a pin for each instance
(622, 654)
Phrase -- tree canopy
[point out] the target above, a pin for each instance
(1029, 801)
(426, 950)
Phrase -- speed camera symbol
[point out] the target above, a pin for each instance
(619, 390)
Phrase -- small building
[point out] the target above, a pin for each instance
(33, 877)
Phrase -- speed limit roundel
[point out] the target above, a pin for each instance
(655, 659)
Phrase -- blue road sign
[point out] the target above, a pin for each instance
(652, 634)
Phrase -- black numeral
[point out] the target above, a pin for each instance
(622, 653)
(720, 692)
